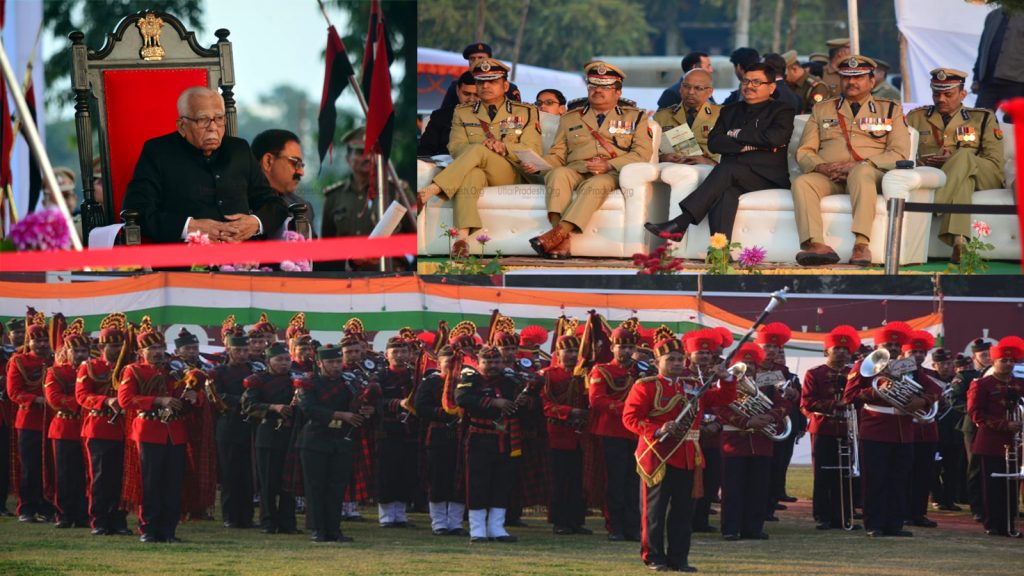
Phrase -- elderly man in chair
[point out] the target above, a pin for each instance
(198, 180)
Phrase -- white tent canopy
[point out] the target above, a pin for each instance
(939, 33)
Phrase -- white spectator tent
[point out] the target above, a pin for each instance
(939, 33)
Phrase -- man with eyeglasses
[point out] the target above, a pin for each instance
(199, 180)
(752, 137)
(692, 61)
(551, 101)
(279, 154)
(696, 112)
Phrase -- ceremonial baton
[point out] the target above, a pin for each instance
(777, 297)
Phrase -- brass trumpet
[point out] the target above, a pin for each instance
(896, 390)
(751, 402)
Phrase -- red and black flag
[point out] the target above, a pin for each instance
(6, 134)
(35, 173)
(380, 116)
(336, 74)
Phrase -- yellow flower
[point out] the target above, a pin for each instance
(719, 241)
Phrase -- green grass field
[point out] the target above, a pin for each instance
(795, 548)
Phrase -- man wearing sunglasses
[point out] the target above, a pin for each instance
(279, 154)
(199, 180)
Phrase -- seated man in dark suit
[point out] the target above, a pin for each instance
(752, 136)
(198, 180)
(434, 140)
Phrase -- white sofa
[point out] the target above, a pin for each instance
(511, 215)
(766, 218)
(908, 184)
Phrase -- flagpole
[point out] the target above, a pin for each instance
(28, 73)
(17, 121)
(366, 110)
(36, 145)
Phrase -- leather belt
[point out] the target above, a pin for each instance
(68, 415)
(880, 409)
(157, 416)
(105, 412)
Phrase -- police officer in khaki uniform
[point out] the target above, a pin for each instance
(348, 210)
(696, 112)
(593, 143)
(965, 143)
(484, 138)
(847, 145)
(808, 87)
(838, 51)
(883, 89)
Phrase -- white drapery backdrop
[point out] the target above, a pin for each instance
(940, 34)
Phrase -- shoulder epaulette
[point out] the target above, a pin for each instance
(576, 104)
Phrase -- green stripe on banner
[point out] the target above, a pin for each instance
(326, 321)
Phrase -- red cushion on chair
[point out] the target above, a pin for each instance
(140, 104)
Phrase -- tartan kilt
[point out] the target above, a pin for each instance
(15, 463)
(199, 488)
(358, 489)
(292, 479)
(595, 472)
(534, 473)
(131, 488)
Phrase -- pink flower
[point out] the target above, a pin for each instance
(483, 238)
(752, 256)
(42, 230)
(292, 236)
(197, 238)
(297, 266)
(981, 228)
(227, 268)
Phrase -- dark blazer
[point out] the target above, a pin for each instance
(770, 131)
(434, 139)
(783, 93)
(174, 181)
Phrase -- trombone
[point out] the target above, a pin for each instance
(896, 390)
(1014, 468)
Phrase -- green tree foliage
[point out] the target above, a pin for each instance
(96, 20)
(400, 19)
(560, 34)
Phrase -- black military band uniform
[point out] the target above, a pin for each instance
(273, 443)
(234, 447)
(442, 439)
(489, 446)
(397, 448)
(326, 450)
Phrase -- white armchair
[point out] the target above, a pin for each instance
(766, 218)
(513, 214)
(909, 185)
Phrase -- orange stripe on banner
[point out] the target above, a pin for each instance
(35, 291)
(172, 255)
(293, 284)
(558, 298)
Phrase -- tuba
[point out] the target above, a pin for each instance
(751, 402)
(896, 390)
